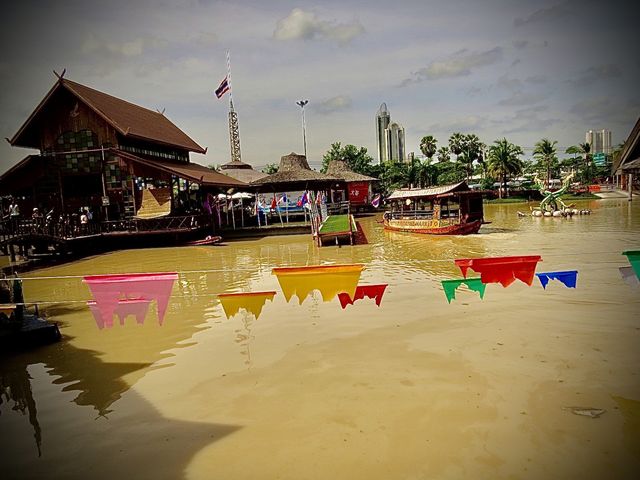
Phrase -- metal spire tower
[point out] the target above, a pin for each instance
(234, 131)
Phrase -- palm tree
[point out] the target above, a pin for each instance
(471, 151)
(456, 143)
(428, 146)
(504, 161)
(443, 154)
(583, 149)
(545, 152)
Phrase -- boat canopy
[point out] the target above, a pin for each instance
(432, 192)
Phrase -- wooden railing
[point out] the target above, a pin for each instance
(69, 230)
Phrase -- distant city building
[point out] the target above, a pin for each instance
(599, 140)
(395, 142)
(382, 122)
(390, 137)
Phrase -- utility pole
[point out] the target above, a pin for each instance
(302, 104)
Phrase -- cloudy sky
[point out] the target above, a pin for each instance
(521, 69)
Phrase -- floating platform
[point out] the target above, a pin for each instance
(336, 228)
(34, 332)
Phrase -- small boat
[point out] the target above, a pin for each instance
(209, 240)
(445, 210)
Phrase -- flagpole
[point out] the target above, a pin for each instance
(229, 80)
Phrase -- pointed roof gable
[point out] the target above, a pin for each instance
(128, 119)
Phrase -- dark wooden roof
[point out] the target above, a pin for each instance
(190, 171)
(128, 119)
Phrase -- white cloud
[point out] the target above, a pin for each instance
(334, 104)
(457, 65)
(307, 26)
(522, 98)
(594, 74)
(132, 48)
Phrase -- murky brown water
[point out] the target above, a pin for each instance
(416, 388)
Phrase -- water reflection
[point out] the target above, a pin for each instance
(15, 386)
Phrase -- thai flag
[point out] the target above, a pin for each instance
(376, 201)
(223, 88)
(283, 199)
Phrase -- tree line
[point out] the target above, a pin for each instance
(464, 157)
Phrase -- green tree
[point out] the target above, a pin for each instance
(443, 154)
(503, 161)
(270, 168)
(357, 159)
(545, 153)
(470, 151)
(456, 142)
(583, 149)
(428, 146)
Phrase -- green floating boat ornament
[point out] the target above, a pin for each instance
(474, 284)
(634, 260)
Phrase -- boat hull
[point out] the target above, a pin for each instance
(427, 227)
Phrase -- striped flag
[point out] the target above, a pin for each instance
(376, 201)
(223, 88)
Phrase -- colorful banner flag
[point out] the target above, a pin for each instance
(251, 302)
(124, 308)
(304, 199)
(569, 278)
(375, 202)
(473, 284)
(503, 270)
(634, 260)
(109, 290)
(370, 291)
(223, 88)
(328, 279)
(629, 276)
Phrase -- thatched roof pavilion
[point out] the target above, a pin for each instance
(294, 173)
(340, 169)
(241, 171)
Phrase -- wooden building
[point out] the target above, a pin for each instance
(101, 152)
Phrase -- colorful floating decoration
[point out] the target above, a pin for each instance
(328, 279)
(137, 308)
(629, 276)
(634, 260)
(252, 302)
(569, 278)
(503, 270)
(370, 291)
(474, 284)
(109, 290)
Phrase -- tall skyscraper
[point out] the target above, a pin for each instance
(390, 137)
(382, 122)
(599, 140)
(395, 142)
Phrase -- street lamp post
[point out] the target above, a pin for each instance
(302, 104)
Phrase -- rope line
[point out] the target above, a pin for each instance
(186, 272)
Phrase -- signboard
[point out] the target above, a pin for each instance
(105, 201)
(358, 193)
(599, 158)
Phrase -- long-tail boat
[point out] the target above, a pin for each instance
(445, 210)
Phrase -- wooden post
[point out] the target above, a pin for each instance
(630, 185)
